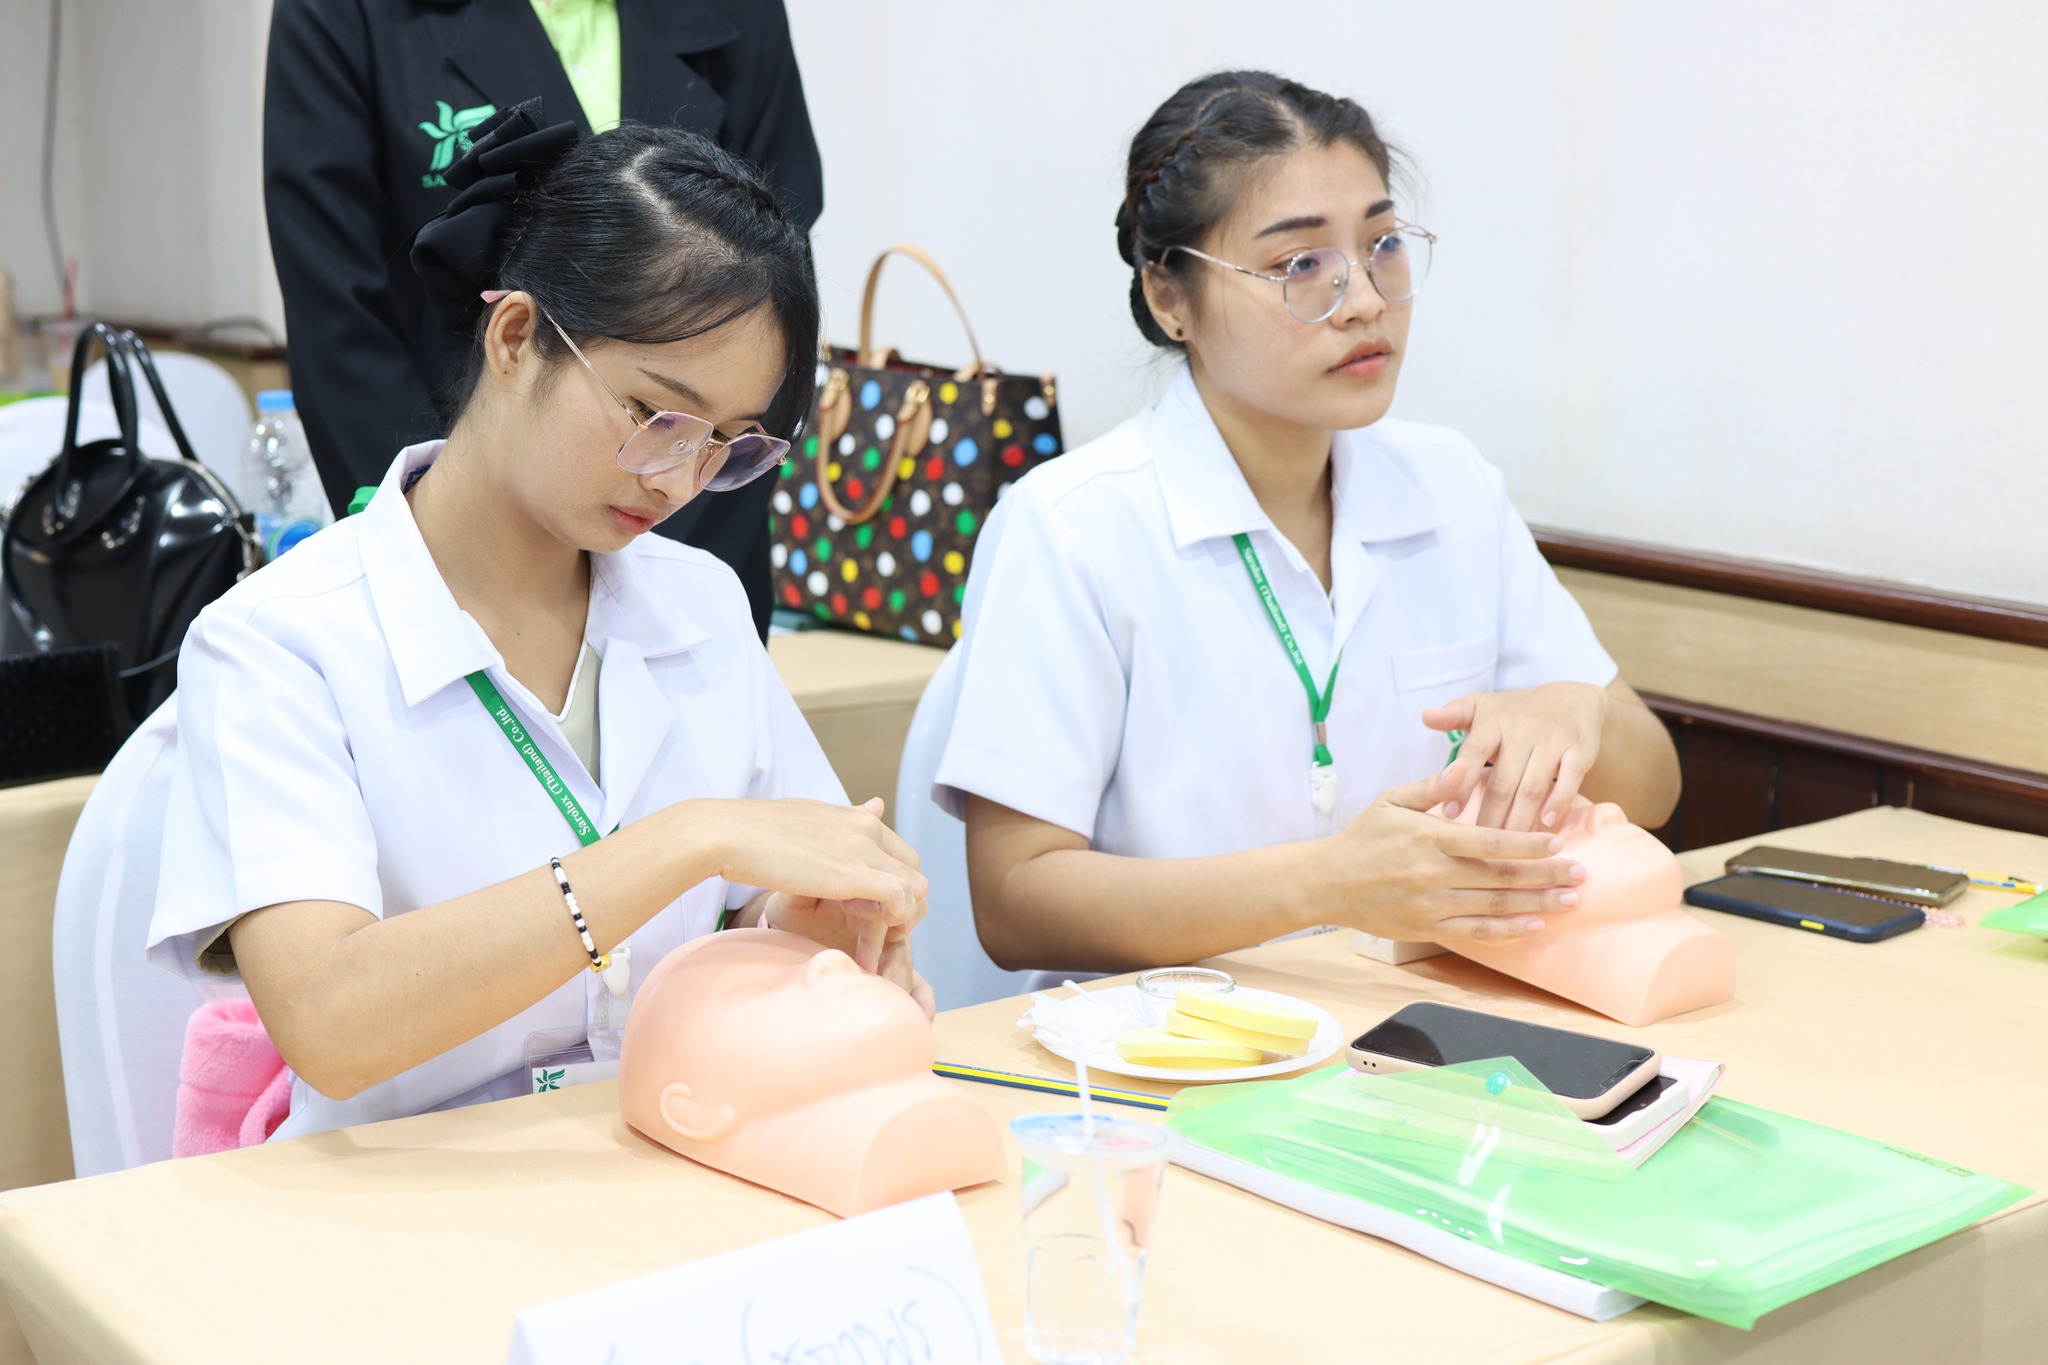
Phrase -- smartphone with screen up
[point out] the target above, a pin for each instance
(1590, 1075)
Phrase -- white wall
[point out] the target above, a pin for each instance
(1680, 296)
(159, 190)
(24, 52)
(1758, 278)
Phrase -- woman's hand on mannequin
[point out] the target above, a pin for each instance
(810, 850)
(855, 928)
(1402, 873)
(896, 966)
(873, 934)
(1541, 741)
(1396, 871)
(1550, 744)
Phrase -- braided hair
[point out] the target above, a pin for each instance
(642, 234)
(1179, 177)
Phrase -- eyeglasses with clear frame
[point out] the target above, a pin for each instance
(1313, 283)
(668, 439)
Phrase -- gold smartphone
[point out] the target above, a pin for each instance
(1872, 876)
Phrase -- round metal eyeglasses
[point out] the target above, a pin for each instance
(1313, 283)
(667, 440)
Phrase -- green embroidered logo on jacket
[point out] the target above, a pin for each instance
(451, 137)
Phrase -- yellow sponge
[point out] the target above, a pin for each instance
(1157, 1047)
(1187, 1026)
(1224, 1008)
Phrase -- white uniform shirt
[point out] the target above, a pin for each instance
(1122, 680)
(329, 748)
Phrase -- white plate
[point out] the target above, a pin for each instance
(1084, 1029)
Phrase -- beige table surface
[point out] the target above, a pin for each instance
(419, 1240)
(858, 694)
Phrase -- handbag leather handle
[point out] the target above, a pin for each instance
(867, 304)
(139, 356)
(128, 451)
(915, 415)
(120, 387)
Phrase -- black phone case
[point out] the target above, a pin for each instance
(1802, 905)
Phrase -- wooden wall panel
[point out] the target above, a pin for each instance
(1927, 689)
(1748, 775)
(1814, 784)
(1795, 696)
(1729, 788)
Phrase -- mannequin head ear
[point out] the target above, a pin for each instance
(689, 1117)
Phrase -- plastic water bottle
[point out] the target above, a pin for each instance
(278, 482)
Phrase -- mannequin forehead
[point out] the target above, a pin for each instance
(739, 948)
(721, 972)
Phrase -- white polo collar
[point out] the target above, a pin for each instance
(434, 642)
(1207, 496)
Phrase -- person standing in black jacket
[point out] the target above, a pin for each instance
(367, 102)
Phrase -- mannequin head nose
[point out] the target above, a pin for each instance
(824, 966)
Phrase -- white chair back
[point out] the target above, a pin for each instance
(211, 407)
(120, 1019)
(32, 432)
(946, 946)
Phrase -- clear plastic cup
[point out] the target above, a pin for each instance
(1090, 1197)
(1162, 986)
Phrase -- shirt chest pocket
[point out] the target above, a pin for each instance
(1431, 677)
(1444, 673)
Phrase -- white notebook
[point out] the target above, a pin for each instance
(1555, 1288)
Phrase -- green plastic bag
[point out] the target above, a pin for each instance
(2028, 917)
(1743, 1211)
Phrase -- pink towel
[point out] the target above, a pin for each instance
(233, 1088)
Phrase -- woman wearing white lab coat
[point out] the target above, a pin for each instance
(439, 762)
(1259, 613)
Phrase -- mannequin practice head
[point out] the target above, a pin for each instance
(768, 1056)
(1627, 949)
(1629, 872)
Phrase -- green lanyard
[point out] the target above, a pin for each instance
(543, 771)
(522, 743)
(1318, 702)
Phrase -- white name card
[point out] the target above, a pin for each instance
(898, 1286)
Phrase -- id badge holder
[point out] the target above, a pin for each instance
(559, 1058)
(1322, 796)
(607, 1001)
(561, 1067)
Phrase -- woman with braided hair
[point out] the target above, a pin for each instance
(1220, 664)
(461, 768)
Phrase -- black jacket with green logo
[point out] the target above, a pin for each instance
(368, 101)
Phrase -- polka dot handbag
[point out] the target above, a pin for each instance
(874, 517)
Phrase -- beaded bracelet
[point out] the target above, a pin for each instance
(598, 961)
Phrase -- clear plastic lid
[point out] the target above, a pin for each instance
(1164, 983)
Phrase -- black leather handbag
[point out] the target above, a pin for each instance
(108, 546)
